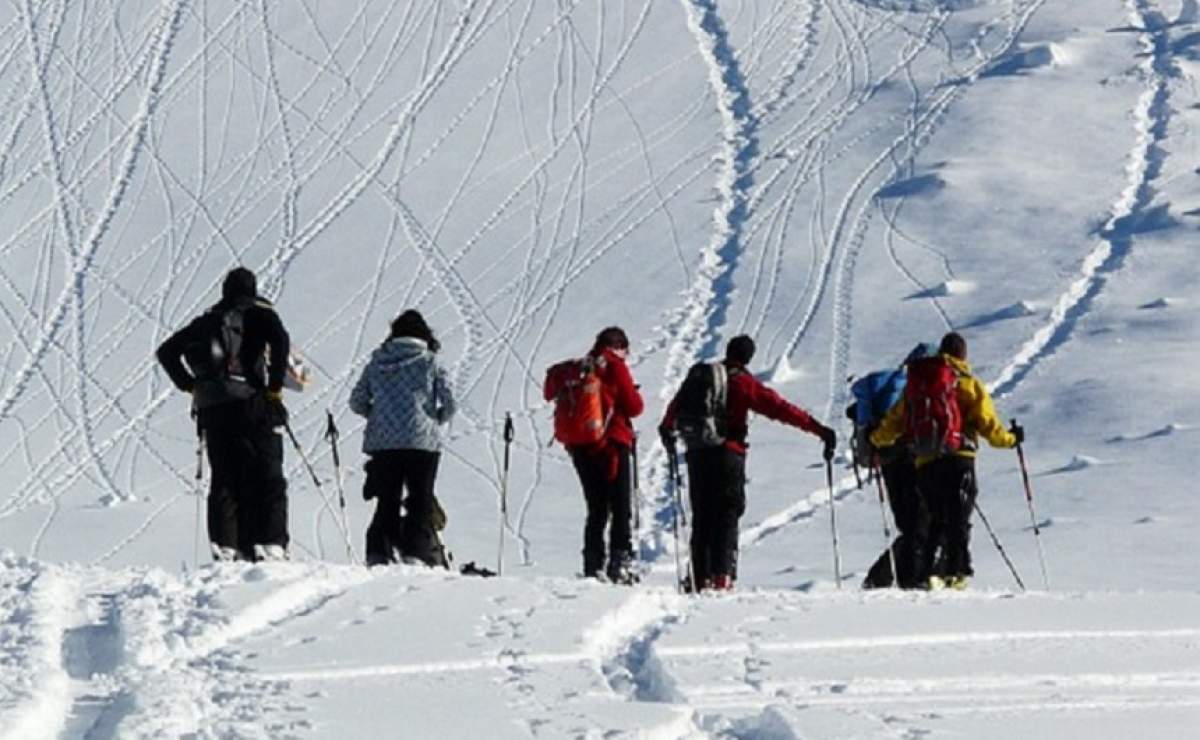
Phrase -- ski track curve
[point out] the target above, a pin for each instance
(1152, 115)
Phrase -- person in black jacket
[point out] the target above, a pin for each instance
(233, 359)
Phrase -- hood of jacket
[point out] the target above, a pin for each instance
(399, 352)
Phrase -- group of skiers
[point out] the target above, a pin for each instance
(917, 426)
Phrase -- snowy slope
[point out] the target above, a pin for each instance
(839, 178)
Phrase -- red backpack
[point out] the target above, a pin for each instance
(579, 415)
(933, 419)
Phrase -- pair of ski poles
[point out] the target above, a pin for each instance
(332, 434)
(1037, 532)
(1028, 488)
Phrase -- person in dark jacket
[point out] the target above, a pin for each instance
(604, 468)
(405, 396)
(717, 474)
(874, 394)
(233, 359)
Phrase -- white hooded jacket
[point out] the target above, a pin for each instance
(405, 395)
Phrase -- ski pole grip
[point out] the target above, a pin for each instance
(508, 427)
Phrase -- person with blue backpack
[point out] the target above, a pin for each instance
(874, 394)
(944, 411)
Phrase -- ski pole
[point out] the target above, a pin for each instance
(637, 491)
(996, 542)
(312, 473)
(837, 557)
(672, 471)
(884, 505)
(1037, 532)
(332, 434)
(682, 515)
(508, 438)
(199, 489)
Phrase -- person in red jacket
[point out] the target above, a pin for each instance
(717, 474)
(604, 468)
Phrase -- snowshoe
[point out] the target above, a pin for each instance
(935, 583)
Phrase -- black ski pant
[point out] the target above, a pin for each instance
(247, 500)
(405, 478)
(717, 488)
(949, 488)
(609, 505)
(912, 528)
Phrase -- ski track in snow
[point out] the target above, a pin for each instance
(1151, 118)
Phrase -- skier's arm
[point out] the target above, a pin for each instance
(170, 354)
(987, 423)
(770, 404)
(445, 397)
(281, 345)
(627, 399)
(891, 428)
(360, 397)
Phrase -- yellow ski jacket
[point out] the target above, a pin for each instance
(978, 412)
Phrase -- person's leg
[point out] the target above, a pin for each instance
(731, 480)
(384, 484)
(912, 524)
(931, 486)
(620, 507)
(220, 441)
(271, 525)
(705, 502)
(591, 478)
(418, 536)
(960, 505)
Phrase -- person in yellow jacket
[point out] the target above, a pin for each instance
(947, 482)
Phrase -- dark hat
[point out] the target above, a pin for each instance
(954, 345)
(740, 349)
(613, 336)
(412, 324)
(239, 283)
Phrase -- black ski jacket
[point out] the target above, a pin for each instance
(262, 331)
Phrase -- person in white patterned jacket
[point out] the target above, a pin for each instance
(405, 396)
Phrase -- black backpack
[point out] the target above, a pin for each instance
(700, 406)
(215, 355)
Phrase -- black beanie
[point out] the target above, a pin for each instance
(740, 349)
(239, 283)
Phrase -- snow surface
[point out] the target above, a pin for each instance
(839, 178)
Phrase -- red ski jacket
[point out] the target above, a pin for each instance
(619, 396)
(745, 394)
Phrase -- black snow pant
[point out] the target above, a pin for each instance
(912, 528)
(247, 500)
(949, 488)
(391, 474)
(717, 489)
(609, 505)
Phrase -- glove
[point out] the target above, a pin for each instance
(667, 435)
(275, 412)
(829, 437)
(1018, 431)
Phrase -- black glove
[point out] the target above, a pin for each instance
(1018, 431)
(274, 412)
(829, 437)
(667, 435)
